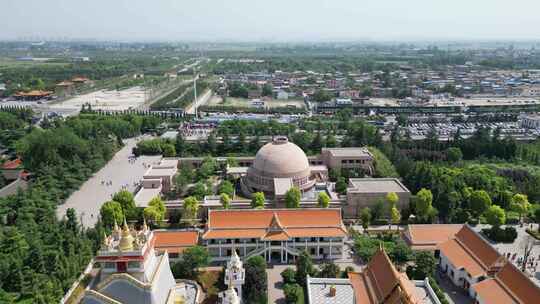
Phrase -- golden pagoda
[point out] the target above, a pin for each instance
(126, 240)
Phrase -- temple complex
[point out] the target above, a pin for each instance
(131, 272)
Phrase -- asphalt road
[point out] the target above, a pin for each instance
(90, 197)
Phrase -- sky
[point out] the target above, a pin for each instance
(271, 20)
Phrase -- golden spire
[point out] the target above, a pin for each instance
(144, 226)
(116, 231)
(126, 241)
(105, 242)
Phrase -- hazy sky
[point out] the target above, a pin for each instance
(270, 20)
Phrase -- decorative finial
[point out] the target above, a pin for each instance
(144, 226)
(105, 241)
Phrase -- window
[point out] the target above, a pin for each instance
(134, 264)
(109, 265)
(173, 255)
(312, 251)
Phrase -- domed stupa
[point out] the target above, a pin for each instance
(278, 166)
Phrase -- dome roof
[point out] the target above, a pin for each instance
(281, 158)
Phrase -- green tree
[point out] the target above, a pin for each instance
(127, 201)
(395, 216)
(400, 253)
(424, 265)
(288, 276)
(480, 202)
(330, 270)
(257, 200)
(256, 282)
(294, 294)
(292, 197)
(226, 187)
(225, 200)
(193, 258)
(495, 216)
(321, 95)
(110, 212)
(423, 206)
(199, 190)
(392, 198)
(190, 208)
(267, 90)
(365, 217)
(208, 168)
(168, 150)
(304, 267)
(454, 154)
(155, 211)
(341, 185)
(520, 204)
(323, 200)
(378, 209)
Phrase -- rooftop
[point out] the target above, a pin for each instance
(379, 282)
(319, 291)
(145, 195)
(377, 185)
(257, 223)
(160, 172)
(175, 241)
(348, 152)
(428, 237)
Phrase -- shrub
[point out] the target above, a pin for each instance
(438, 291)
(496, 234)
(288, 275)
(294, 294)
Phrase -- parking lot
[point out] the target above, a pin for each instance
(447, 130)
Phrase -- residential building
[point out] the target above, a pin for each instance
(277, 234)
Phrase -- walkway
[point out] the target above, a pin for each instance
(88, 200)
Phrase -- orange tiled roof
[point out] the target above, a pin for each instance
(380, 282)
(470, 251)
(34, 93)
(257, 223)
(461, 258)
(485, 253)
(427, 237)
(509, 285)
(165, 239)
(12, 164)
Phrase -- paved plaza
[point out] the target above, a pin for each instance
(90, 197)
(516, 248)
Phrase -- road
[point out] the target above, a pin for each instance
(90, 197)
(201, 101)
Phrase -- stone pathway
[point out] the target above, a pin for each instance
(88, 200)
